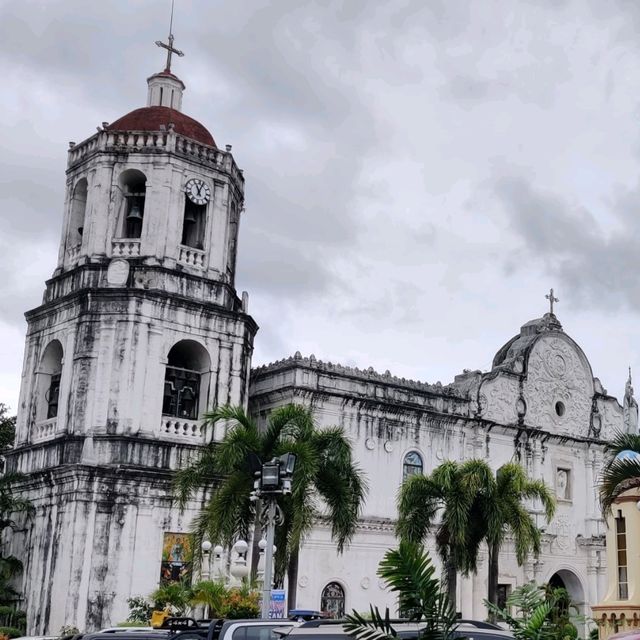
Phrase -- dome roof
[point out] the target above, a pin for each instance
(151, 118)
(529, 333)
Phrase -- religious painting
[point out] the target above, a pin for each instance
(177, 558)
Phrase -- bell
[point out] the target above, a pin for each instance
(189, 217)
(135, 213)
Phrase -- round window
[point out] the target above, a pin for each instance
(560, 409)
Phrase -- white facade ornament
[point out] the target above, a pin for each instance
(630, 408)
(118, 272)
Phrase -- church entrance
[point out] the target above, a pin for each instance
(569, 581)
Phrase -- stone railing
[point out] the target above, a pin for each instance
(74, 252)
(189, 430)
(44, 429)
(154, 141)
(125, 248)
(192, 257)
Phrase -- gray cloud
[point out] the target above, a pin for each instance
(594, 266)
(416, 171)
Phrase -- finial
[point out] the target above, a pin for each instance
(551, 300)
(169, 47)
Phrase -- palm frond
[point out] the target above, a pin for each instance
(376, 627)
(618, 477)
(620, 442)
(419, 499)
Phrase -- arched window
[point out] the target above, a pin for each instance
(233, 240)
(78, 210)
(48, 383)
(332, 600)
(193, 224)
(412, 465)
(185, 380)
(134, 186)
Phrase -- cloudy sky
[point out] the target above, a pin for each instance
(419, 173)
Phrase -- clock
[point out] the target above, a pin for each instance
(197, 191)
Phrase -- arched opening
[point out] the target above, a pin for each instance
(332, 600)
(78, 210)
(186, 380)
(233, 241)
(193, 224)
(196, 199)
(412, 465)
(134, 186)
(48, 381)
(574, 603)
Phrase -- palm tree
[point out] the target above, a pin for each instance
(451, 489)
(621, 472)
(409, 573)
(211, 595)
(326, 482)
(505, 513)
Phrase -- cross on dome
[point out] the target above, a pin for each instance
(169, 47)
(551, 300)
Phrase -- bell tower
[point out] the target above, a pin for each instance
(139, 331)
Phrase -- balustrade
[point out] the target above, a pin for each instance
(192, 257)
(125, 248)
(188, 429)
(44, 429)
(74, 252)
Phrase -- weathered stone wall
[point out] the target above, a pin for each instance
(478, 416)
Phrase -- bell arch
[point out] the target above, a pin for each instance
(186, 380)
(133, 186)
(78, 212)
(48, 378)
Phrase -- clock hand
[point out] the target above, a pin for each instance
(199, 188)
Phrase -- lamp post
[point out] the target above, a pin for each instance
(273, 479)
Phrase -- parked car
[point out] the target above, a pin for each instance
(407, 630)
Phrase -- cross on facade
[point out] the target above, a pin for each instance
(551, 300)
(170, 49)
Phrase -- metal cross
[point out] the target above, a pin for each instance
(169, 47)
(170, 50)
(551, 300)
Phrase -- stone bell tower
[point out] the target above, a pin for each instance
(139, 331)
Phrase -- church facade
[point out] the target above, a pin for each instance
(141, 329)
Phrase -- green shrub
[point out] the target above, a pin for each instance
(11, 632)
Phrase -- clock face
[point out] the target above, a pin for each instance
(197, 191)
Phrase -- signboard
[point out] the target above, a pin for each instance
(278, 604)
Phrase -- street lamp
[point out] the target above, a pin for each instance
(272, 479)
(237, 567)
(206, 567)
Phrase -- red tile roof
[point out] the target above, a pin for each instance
(150, 119)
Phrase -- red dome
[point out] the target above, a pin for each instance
(150, 119)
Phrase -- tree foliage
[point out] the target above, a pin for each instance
(619, 475)
(468, 504)
(539, 613)
(13, 508)
(410, 574)
(326, 482)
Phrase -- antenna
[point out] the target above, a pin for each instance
(171, 20)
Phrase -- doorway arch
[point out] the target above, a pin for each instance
(567, 579)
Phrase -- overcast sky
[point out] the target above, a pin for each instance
(418, 173)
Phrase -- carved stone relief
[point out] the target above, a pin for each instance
(559, 388)
(499, 399)
(610, 413)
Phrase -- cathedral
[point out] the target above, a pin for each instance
(141, 329)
